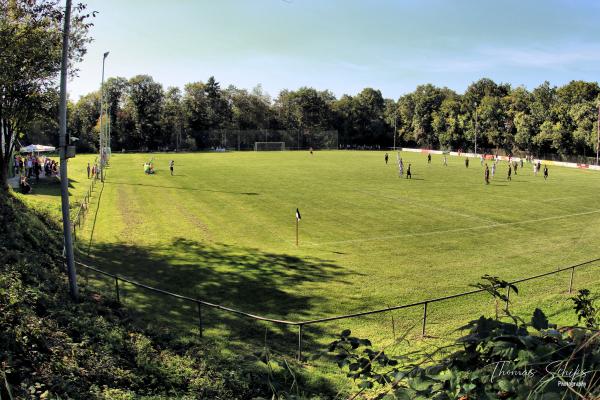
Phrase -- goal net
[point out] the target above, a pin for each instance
(232, 139)
(269, 146)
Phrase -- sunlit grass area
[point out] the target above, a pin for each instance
(223, 229)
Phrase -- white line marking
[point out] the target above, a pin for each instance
(493, 225)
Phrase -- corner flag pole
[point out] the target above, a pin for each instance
(298, 218)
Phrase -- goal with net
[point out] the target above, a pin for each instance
(267, 139)
(269, 146)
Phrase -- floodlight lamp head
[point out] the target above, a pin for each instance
(106, 54)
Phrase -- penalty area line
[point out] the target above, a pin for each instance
(472, 228)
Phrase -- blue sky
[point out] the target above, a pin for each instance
(344, 46)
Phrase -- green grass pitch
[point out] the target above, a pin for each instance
(223, 229)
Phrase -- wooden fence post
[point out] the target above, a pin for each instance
(424, 319)
(200, 319)
(300, 342)
(117, 289)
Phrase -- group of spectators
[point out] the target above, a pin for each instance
(93, 171)
(32, 166)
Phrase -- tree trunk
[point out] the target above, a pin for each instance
(3, 172)
(6, 148)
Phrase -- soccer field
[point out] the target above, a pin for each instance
(223, 229)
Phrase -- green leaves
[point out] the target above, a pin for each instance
(496, 360)
(585, 309)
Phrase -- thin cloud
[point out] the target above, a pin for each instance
(543, 58)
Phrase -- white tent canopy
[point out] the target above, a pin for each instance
(36, 148)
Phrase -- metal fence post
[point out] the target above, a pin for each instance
(300, 342)
(424, 319)
(571, 280)
(117, 289)
(200, 318)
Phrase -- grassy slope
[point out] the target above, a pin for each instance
(223, 229)
(51, 347)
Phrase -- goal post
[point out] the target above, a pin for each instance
(269, 146)
(266, 139)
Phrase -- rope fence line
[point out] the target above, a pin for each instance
(301, 324)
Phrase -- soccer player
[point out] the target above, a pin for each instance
(467, 162)
(515, 164)
(401, 167)
(171, 166)
(509, 172)
(445, 161)
(428, 158)
(493, 169)
(545, 172)
(386, 158)
(535, 169)
(486, 174)
(408, 173)
(88, 170)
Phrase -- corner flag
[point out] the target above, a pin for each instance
(298, 218)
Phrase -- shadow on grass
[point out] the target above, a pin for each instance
(246, 279)
(93, 229)
(48, 186)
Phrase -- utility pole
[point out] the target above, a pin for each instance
(63, 144)
(395, 118)
(108, 119)
(102, 133)
(475, 128)
(598, 142)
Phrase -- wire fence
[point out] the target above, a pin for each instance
(425, 306)
(79, 217)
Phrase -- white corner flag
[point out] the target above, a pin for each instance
(298, 218)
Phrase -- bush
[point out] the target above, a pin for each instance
(496, 359)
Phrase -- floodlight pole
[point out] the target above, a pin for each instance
(475, 128)
(102, 139)
(64, 180)
(395, 118)
(598, 142)
(109, 126)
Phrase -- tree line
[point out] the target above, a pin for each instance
(547, 120)
(142, 114)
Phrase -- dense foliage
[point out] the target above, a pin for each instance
(547, 121)
(30, 61)
(496, 359)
